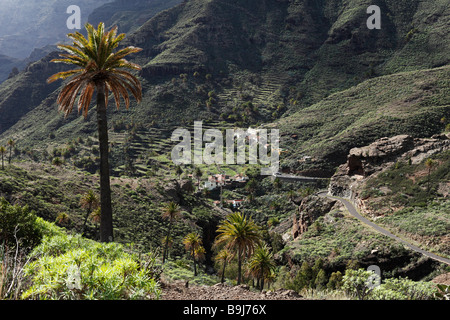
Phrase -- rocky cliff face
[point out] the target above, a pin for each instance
(383, 153)
(310, 209)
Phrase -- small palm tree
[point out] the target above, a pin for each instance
(193, 242)
(171, 212)
(101, 70)
(261, 265)
(2, 153)
(62, 218)
(57, 161)
(11, 144)
(225, 256)
(88, 201)
(240, 235)
(199, 255)
(251, 186)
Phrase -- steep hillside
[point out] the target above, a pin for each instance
(252, 62)
(403, 183)
(405, 103)
(6, 65)
(50, 190)
(22, 93)
(129, 15)
(310, 68)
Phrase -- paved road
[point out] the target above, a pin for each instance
(352, 210)
(297, 178)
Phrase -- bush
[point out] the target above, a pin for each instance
(404, 289)
(359, 283)
(362, 285)
(335, 281)
(71, 267)
(18, 225)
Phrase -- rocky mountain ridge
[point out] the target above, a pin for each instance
(382, 154)
(281, 56)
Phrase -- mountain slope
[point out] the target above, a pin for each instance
(404, 103)
(129, 15)
(208, 59)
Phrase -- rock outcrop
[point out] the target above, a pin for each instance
(383, 153)
(310, 209)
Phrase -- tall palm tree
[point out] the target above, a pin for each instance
(171, 212)
(192, 243)
(100, 69)
(261, 264)
(2, 153)
(240, 235)
(88, 201)
(166, 240)
(11, 144)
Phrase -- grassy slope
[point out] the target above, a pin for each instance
(129, 15)
(413, 204)
(404, 103)
(138, 203)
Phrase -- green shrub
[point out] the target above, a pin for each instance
(359, 283)
(71, 267)
(335, 281)
(404, 289)
(362, 284)
(18, 224)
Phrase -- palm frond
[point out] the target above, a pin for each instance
(63, 75)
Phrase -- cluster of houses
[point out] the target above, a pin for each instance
(235, 203)
(223, 180)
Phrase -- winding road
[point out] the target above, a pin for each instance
(354, 212)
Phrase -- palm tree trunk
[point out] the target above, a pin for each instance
(85, 218)
(239, 266)
(106, 226)
(10, 154)
(166, 246)
(223, 272)
(193, 258)
(3, 165)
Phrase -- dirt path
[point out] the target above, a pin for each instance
(178, 291)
